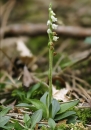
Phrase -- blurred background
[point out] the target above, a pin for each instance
(23, 37)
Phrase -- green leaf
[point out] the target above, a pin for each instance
(39, 105)
(32, 90)
(17, 126)
(55, 107)
(72, 119)
(36, 117)
(51, 123)
(26, 118)
(28, 123)
(23, 105)
(64, 115)
(44, 98)
(7, 127)
(4, 111)
(4, 120)
(19, 94)
(67, 105)
(26, 105)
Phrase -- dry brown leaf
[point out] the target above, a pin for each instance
(27, 78)
(16, 49)
(62, 122)
(26, 55)
(60, 94)
(24, 51)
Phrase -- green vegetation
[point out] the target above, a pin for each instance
(84, 114)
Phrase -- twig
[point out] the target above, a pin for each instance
(78, 79)
(4, 82)
(11, 79)
(40, 29)
(5, 17)
(58, 62)
(43, 83)
(6, 55)
(8, 58)
(20, 121)
(85, 94)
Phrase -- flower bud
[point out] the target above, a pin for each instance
(52, 12)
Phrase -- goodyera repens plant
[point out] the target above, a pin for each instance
(52, 38)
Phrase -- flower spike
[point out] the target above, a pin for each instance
(51, 25)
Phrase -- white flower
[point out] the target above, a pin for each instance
(53, 18)
(49, 31)
(55, 38)
(54, 26)
(52, 12)
(49, 22)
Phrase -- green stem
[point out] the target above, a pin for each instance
(50, 73)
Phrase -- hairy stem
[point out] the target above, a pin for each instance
(50, 73)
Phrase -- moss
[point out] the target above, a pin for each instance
(62, 127)
(77, 126)
(84, 114)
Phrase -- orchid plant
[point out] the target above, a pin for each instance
(52, 38)
(48, 108)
